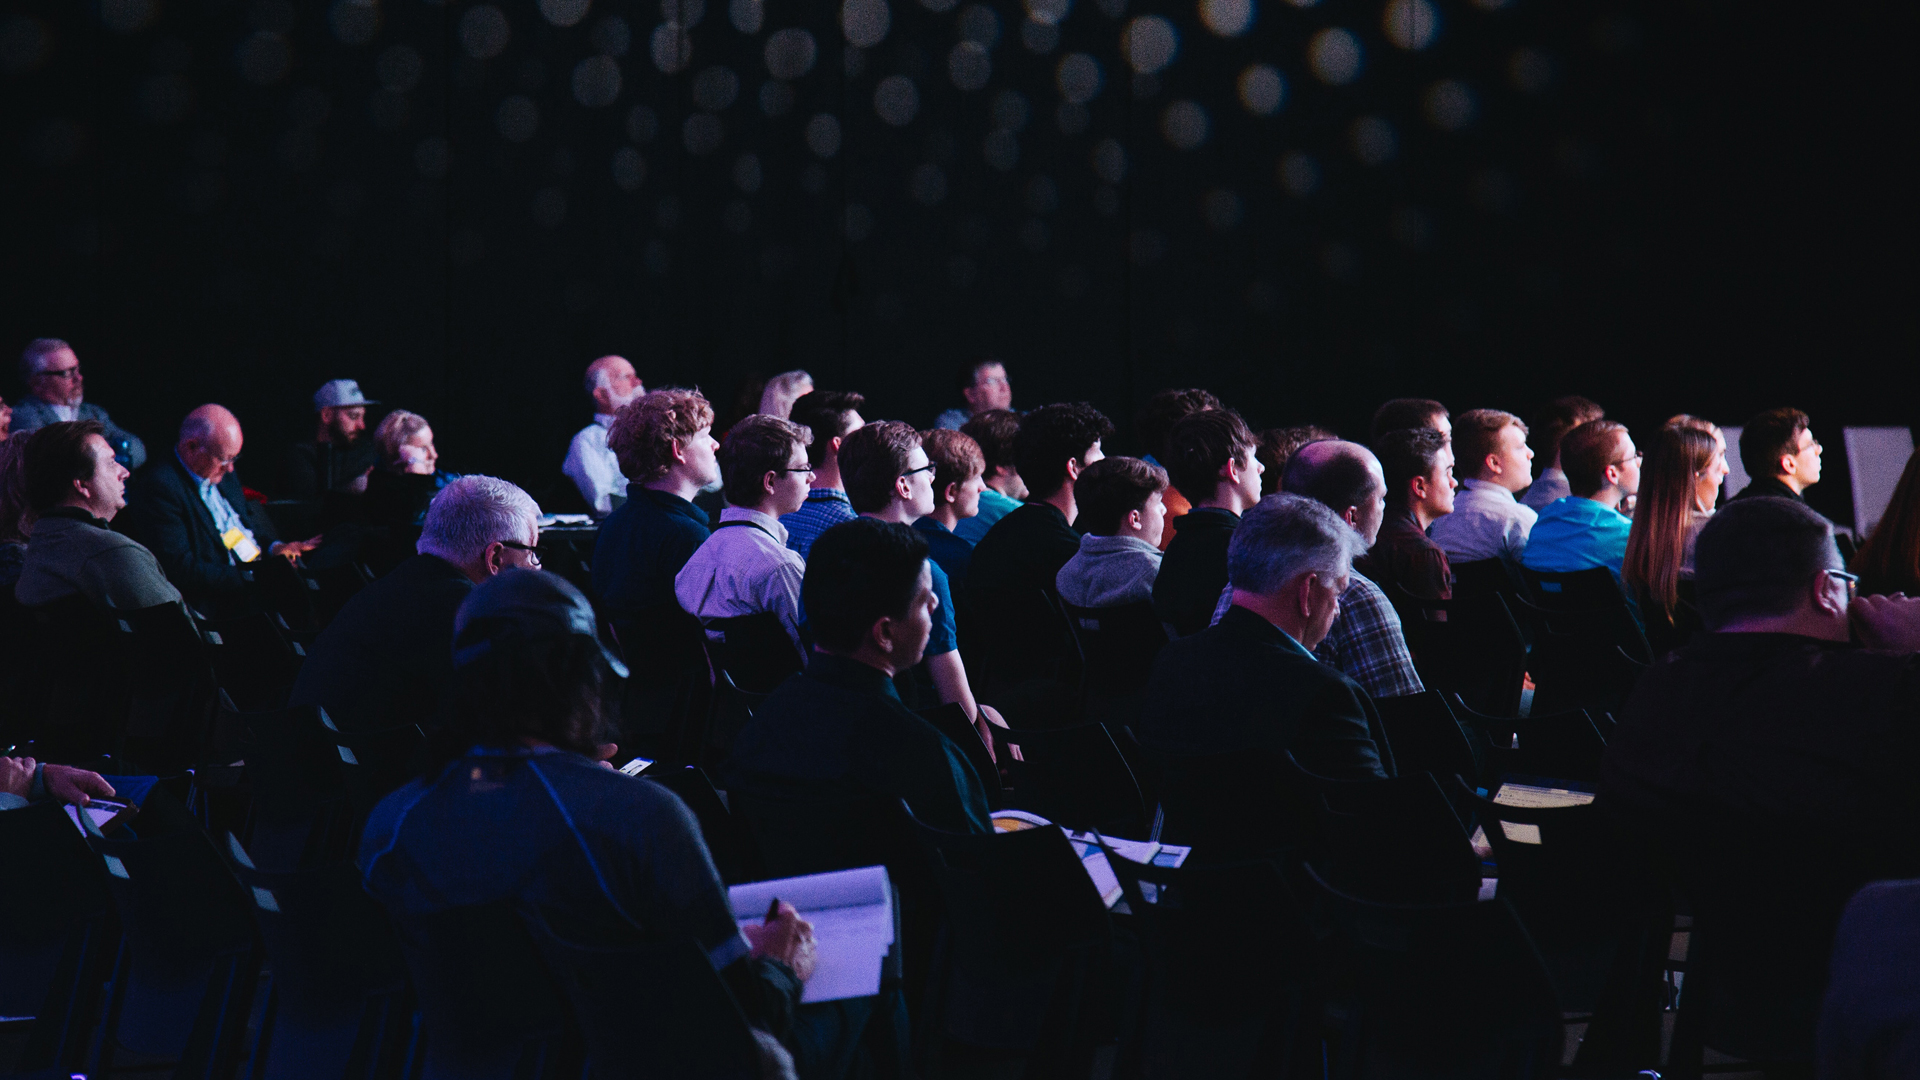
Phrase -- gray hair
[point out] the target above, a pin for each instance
(33, 357)
(597, 376)
(472, 513)
(1286, 536)
(781, 392)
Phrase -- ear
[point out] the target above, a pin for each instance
(769, 482)
(1417, 488)
(1074, 469)
(902, 489)
(951, 493)
(1134, 520)
(1823, 596)
(1304, 598)
(680, 451)
(1351, 515)
(1492, 465)
(881, 634)
(833, 444)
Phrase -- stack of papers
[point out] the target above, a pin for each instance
(1087, 847)
(852, 916)
(1535, 796)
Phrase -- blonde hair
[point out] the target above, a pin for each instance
(393, 433)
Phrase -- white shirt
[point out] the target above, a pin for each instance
(1487, 523)
(743, 570)
(68, 413)
(593, 467)
(1551, 485)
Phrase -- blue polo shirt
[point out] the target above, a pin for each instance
(1576, 533)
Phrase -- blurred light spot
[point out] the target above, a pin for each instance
(399, 68)
(1410, 227)
(550, 206)
(1072, 119)
(737, 217)
(612, 36)
(1034, 235)
(1411, 24)
(789, 53)
(264, 58)
(715, 88)
(1106, 201)
(1010, 110)
(1146, 247)
(1531, 70)
(961, 271)
(746, 15)
(1078, 77)
(896, 100)
(629, 169)
(642, 124)
(24, 45)
(671, 47)
(1110, 161)
(309, 106)
(865, 22)
(596, 81)
(1184, 123)
(354, 22)
(1373, 140)
(858, 222)
(685, 12)
(969, 65)
(564, 12)
(126, 16)
(1228, 18)
(430, 157)
(1002, 150)
(823, 135)
(388, 109)
(1335, 56)
(702, 134)
(1449, 105)
(1299, 174)
(928, 185)
(1262, 89)
(484, 32)
(1048, 12)
(1221, 209)
(517, 118)
(1149, 43)
(166, 99)
(1492, 191)
(776, 98)
(979, 23)
(1039, 38)
(747, 175)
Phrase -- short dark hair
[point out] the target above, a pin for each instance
(955, 457)
(860, 572)
(1557, 417)
(968, 375)
(755, 446)
(1402, 413)
(1112, 488)
(994, 430)
(1165, 409)
(1201, 445)
(56, 457)
(1341, 481)
(1276, 448)
(1476, 433)
(1407, 453)
(1769, 437)
(872, 459)
(827, 412)
(1051, 436)
(1586, 452)
(1756, 556)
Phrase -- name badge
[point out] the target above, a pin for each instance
(240, 544)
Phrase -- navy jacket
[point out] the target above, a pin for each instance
(165, 513)
(386, 657)
(1194, 571)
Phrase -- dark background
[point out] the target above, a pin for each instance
(1667, 206)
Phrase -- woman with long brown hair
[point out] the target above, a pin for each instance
(1678, 485)
(1889, 562)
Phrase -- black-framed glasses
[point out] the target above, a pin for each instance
(62, 373)
(928, 467)
(533, 553)
(808, 469)
(1852, 580)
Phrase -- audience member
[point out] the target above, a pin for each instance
(1026, 550)
(1487, 522)
(191, 511)
(1365, 641)
(1773, 742)
(1211, 456)
(1889, 562)
(1251, 681)
(1276, 447)
(74, 487)
(1870, 1023)
(1587, 529)
(1677, 487)
(745, 567)
(56, 391)
(985, 387)
(24, 781)
(994, 431)
(6, 419)
(387, 655)
(595, 470)
(518, 806)
(958, 480)
(782, 391)
(831, 415)
(1402, 413)
(1550, 425)
(1155, 424)
(16, 516)
(340, 455)
(1780, 454)
(1706, 482)
(1120, 501)
(1418, 467)
(409, 472)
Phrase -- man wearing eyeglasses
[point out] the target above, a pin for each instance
(56, 391)
(1780, 455)
(1587, 529)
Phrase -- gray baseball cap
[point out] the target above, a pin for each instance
(517, 606)
(340, 393)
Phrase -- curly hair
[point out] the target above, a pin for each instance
(644, 432)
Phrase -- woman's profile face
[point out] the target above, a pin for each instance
(417, 454)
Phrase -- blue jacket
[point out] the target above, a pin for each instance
(31, 414)
(1577, 534)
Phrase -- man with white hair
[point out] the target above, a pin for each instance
(387, 654)
(595, 469)
(1251, 681)
(57, 391)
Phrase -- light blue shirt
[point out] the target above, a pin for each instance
(993, 507)
(1574, 533)
(225, 517)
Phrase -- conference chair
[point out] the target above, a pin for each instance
(255, 658)
(1483, 577)
(729, 841)
(1572, 590)
(176, 692)
(1564, 746)
(1024, 650)
(1472, 647)
(732, 706)
(1426, 736)
(951, 720)
(1119, 645)
(754, 650)
(313, 785)
(78, 689)
(1074, 776)
(59, 930)
(1398, 840)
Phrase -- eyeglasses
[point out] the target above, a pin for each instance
(1637, 455)
(928, 467)
(808, 469)
(1852, 580)
(1812, 444)
(533, 553)
(61, 373)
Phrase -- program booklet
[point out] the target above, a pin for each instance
(853, 923)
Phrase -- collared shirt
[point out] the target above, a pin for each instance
(1109, 571)
(744, 569)
(1577, 533)
(225, 517)
(1404, 556)
(825, 508)
(1487, 523)
(993, 507)
(67, 413)
(594, 468)
(1365, 642)
(1551, 484)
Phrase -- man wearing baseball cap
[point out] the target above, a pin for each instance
(341, 454)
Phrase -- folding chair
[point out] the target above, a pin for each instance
(1472, 647)
(1397, 840)
(1565, 746)
(754, 650)
(254, 658)
(1119, 645)
(1483, 577)
(59, 931)
(1020, 636)
(1572, 590)
(176, 695)
(1425, 735)
(952, 722)
(1074, 776)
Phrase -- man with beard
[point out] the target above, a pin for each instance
(340, 455)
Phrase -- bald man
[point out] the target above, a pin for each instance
(193, 514)
(613, 385)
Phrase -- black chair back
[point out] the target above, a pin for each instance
(1119, 645)
(176, 692)
(1573, 590)
(1076, 777)
(1018, 636)
(728, 840)
(669, 691)
(1425, 735)
(708, 744)
(754, 650)
(1486, 577)
(78, 689)
(58, 932)
(1559, 746)
(254, 658)
(1472, 647)
(1395, 841)
(952, 722)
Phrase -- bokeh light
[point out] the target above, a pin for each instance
(1335, 56)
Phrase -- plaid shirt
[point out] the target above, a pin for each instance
(1367, 644)
(825, 508)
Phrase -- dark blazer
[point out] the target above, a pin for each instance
(1194, 571)
(1024, 550)
(1768, 487)
(388, 654)
(165, 513)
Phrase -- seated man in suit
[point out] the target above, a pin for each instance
(385, 658)
(190, 510)
(1587, 529)
(1772, 760)
(57, 392)
(1212, 458)
(76, 487)
(1418, 466)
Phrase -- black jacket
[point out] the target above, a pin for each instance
(313, 469)
(1194, 570)
(1768, 486)
(388, 654)
(164, 512)
(1024, 550)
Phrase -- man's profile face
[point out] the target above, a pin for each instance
(345, 423)
(991, 389)
(919, 480)
(910, 633)
(1627, 461)
(1440, 484)
(966, 496)
(107, 484)
(790, 487)
(1093, 454)
(1251, 470)
(59, 380)
(1516, 458)
(702, 464)
(212, 457)
(1806, 458)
